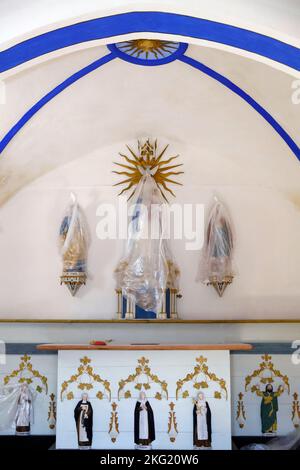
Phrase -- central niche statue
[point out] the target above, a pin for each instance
(83, 415)
(147, 276)
(144, 427)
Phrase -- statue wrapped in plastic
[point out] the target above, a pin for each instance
(216, 263)
(16, 408)
(73, 238)
(147, 277)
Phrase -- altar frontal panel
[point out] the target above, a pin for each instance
(171, 380)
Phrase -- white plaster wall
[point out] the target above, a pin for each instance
(244, 365)
(225, 146)
(31, 263)
(116, 92)
(46, 366)
(271, 17)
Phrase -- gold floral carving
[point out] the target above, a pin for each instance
(266, 367)
(85, 370)
(201, 376)
(27, 374)
(52, 412)
(143, 370)
(296, 410)
(241, 414)
(172, 423)
(113, 430)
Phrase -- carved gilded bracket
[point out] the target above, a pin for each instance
(52, 412)
(27, 374)
(200, 377)
(172, 423)
(266, 374)
(143, 379)
(85, 371)
(113, 429)
(296, 410)
(241, 414)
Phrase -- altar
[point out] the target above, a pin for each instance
(171, 376)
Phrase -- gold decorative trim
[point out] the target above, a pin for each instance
(158, 47)
(266, 366)
(113, 430)
(201, 369)
(148, 160)
(26, 366)
(296, 410)
(172, 423)
(73, 281)
(241, 414)
(220, 286)
(85, 369)
(143, 369)
(52, 412)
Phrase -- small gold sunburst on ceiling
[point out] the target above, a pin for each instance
(148, 161)
(148, 47)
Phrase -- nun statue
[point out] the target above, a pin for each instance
(201, 423)
(24, 413)
(144, 428)
(83, 415)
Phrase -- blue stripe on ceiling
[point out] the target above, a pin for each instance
(49, 96)
(251, 101)
(187, 60)
(155, 22)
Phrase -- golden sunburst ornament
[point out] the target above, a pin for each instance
(148, 161)
(147, 48)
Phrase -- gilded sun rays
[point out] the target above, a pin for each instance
(146, 48)
(148, 160)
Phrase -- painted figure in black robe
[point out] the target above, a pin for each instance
(83, 415)
(201, 422)
(144, 427)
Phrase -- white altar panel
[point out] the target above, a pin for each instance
(168, 366)
(46, 365)
(244, 365)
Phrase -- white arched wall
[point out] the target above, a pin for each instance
(226, 147)
(115, 82)
(267, 19)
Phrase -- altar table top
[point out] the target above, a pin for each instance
(147, 346)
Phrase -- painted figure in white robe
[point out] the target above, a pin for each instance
(83, 415)
(144, 428)
(201, 422)
(24, 413)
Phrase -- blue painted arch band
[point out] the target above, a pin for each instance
(246, 97)
(185, 59)
(155, 22)
(49, 96)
